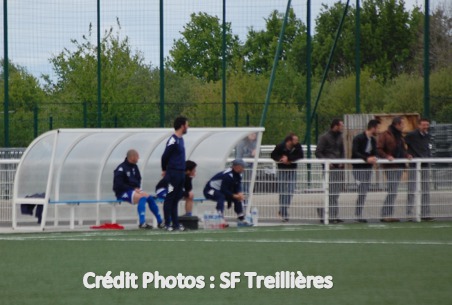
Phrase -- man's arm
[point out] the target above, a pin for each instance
(276, 153)
(319, 151)
(120, 182)
(297, 153)
(356, 149)
(170, 147)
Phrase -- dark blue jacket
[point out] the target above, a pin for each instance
(228, 182)
(174, 155)
(126, 177)
(293, 155)
(359, 146)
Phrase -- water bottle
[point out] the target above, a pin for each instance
(206, 220)
(254, 216)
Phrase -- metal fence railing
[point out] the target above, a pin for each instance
(423, 190)
(7, 173)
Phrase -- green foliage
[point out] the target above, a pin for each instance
(199, 51)
(25, 94)
(391, 74)
(260, 46)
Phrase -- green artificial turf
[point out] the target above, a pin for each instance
(405, 263)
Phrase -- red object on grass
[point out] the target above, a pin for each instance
(108, 226)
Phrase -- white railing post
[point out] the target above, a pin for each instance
(418, 192)
(326, 187)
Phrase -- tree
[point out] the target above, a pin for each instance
(126, 81)
(388, 34)
(199, 51)
(25, 94)
(260, 46)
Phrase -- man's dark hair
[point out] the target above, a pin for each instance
(424, 120)
(179, 122)
(373, 124)
(335, 122)
(289, 137)
(396, 120)
(190, 165)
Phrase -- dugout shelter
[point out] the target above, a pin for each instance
(76, 165)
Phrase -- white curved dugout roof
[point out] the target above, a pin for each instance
(78, 164)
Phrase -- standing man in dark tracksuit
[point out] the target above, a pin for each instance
(331, 146)
(364, 147)
(127, 187)
(285, 154)
(418, 142)
(173, 170)
(226, 186)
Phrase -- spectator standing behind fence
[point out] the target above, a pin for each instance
(364, 146)
(286, 154)
(173, 170)
(227, 186)
(247, 149)
(331, 146)
(418, 142)
(391, 146)
(127, 187)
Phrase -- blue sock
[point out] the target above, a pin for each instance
(154, 209)
(142, 210)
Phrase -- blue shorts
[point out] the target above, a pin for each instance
(127, 196)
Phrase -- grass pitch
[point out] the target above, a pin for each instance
(404, 263)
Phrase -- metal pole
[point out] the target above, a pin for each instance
(162, 71)
(85, 114)
(6, 74)
(223, 52)
(99, 65)
(275, 65)
(35, 121)
(327, 68)
(308, 79)
(358, 57)
(427, 60)
(236, 113)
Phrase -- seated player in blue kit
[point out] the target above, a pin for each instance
(127, 187)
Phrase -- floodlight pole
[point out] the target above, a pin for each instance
(308, 81)
(223, 51)
(427, 60)
(6, 74)
(162, 71)
(358, 57)
(99, 70)
(275, 64)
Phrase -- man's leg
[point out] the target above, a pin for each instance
(411, 190)
(189, 203)
(393, 177)
(238, 209)
(425, 188)
(362, 177)
(155, 210)
(335, 188)
(283, 193)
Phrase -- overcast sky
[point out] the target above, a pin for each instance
(40, 29)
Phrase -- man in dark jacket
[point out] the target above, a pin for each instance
(331, 146)
(227, 186)
(391, 146)
(173, 170)
(364, 147)
(286, 154)
(127, 187)
(418, 142)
